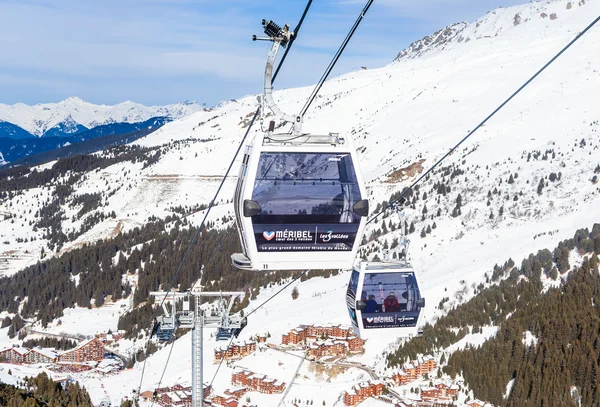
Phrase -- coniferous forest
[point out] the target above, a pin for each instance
(548, 338)
(153, 251)
(41, 391)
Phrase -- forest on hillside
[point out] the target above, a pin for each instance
(42, 391)
(152, 252)
(565, 319)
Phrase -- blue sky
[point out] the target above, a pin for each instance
(165, 51)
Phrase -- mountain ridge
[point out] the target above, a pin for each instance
(492, 24)
(74, 115)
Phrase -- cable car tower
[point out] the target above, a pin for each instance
(300, 200)
(196, 320)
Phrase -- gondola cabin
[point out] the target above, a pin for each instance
(300, 203)
(389, 302)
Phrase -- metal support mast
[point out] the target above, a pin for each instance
(197, 320)
(197, 340)
(280, 38)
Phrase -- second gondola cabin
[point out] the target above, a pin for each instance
(384, 300)
(300, 203)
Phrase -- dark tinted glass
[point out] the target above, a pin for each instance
(306, 188)
(390, 292)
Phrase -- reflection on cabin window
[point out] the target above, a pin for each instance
(390, 292)
(351, 294)
(306, 188)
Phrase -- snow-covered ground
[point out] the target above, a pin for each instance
(413, 109)
(101, 319)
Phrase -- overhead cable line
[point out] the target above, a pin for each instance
(406, 191)
(212, 202)
(307, 105)
(256, 309)
(337, 55)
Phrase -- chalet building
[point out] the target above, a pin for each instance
(87, 351)
(355, 344)
(176, 398)
(234, 351)
(362, 391)
(107, 338)
(39, 355)
(178, 395)
(311, 333)
(257, 382)
(237, 392)
(328, 331)
(412, 371)
(446, 390)
(328, 348)
(225, 401)
(13, 355)
(326, 340)
(294, 337)
(425, 364)
(441, 394)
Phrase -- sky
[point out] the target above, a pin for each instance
(158, 52)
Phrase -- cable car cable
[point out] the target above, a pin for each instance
(335, 58)
(256, 309)
(165, 368)
(287, 50)
(211, 204)
(405, 192)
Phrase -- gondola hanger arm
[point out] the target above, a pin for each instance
(280, 37)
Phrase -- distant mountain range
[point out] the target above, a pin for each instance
(17, 151)
(73, 115)
(26, 130)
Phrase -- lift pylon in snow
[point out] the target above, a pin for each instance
(300, 200)
(197, 320)
(384, 298)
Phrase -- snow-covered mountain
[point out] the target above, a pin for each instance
(526, 180)
(408, 113)
(74, 115)
(535, 16)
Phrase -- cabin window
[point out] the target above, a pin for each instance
(390, 292)
(306, 188)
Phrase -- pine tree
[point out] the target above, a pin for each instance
(540, 188)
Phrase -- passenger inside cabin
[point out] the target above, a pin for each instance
(391, 304)
(371, 304)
